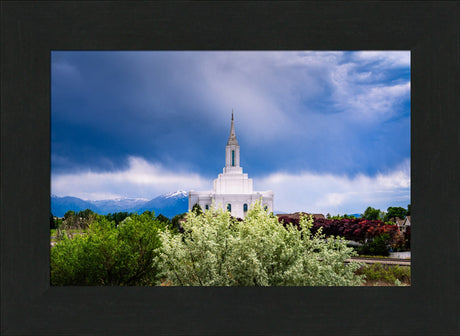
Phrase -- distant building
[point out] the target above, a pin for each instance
(401, 223)
(406, 223)
(232, 189)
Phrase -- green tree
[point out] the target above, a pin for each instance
(408, 210)
(149, 213)
(176, 220)
(69, 214)
(393, 212)
(107, 254)
(372, 214)
(88, 213)
(163, 219)
(117, 217)
(218, 250)
(378, 246)
(197, 209)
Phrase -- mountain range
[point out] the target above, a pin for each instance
(168, 205)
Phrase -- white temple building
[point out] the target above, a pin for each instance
(232, 189)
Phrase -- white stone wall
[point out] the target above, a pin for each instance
(237, 201)
(233, 183)
(202, 198)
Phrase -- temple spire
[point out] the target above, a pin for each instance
(232, 138)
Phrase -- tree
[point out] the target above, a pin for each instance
(371, 214)
(197, 209)
(88, 213)
(217, 250)
(408, 210)
(117, 217)
(393, 212)
(108, 254)
(378, 246)
(176, 221)
(163, 219)
(69, 214)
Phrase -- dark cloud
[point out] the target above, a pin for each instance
(342, 113)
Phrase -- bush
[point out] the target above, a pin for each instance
(378, 246)
(386, 273)
(356, 229)
(107, 254)
(218, 250)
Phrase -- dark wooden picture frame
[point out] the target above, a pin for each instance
(30, 30)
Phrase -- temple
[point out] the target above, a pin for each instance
(232, 189)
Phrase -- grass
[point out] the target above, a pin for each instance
(385, 275)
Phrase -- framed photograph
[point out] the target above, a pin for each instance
(65, 135)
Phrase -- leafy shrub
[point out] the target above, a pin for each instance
(356, 229)
(378, 246)
(218, 250)
(386, 273)
(107, 254)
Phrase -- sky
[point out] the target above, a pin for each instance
(327, 131)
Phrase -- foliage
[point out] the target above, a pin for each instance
(76, 221)
(107, 254)
(387, 273)
(163, 219)
(117, 217)
(218, 250)
(372, 214)
(88, 213)
(197, 209)
(176, 221)
(393, 212)
(358, 229)
(378, 246)
(399, 243)
(69, 214)
(345, 216)
(408, 210)
(55, 222)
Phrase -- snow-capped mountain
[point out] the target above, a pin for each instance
(176, 194)
(120, 204)
(60, 205)
(168, 205)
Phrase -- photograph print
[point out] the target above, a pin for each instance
(230, 168)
